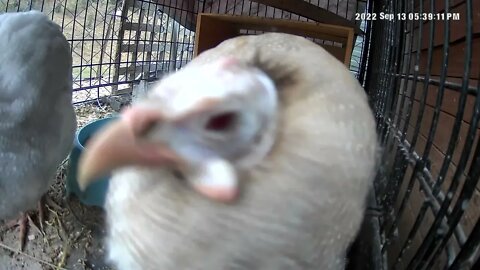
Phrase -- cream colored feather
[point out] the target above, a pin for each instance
(300, 207)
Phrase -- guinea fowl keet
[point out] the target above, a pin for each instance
(37, 123)
(272, 124)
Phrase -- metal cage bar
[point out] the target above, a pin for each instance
(117, 43)
(425, 199)
(424, 98)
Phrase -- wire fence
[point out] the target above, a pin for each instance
(424, 89)
(114, 43)
(422, 77)
(117, 43)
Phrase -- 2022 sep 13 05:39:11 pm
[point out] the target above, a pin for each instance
(413, 16)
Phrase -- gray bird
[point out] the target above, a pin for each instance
(37, 123)
(259, 154)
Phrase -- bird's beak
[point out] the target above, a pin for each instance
(119, 144)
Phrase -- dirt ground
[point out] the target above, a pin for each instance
(72, 235)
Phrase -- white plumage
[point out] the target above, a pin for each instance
(299, 204)
(37, 123)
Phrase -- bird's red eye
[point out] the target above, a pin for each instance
(221, 122)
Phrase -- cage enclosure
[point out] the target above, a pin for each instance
(418, 60)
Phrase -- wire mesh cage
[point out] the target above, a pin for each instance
(117, 43)
(421, 74)
(114, 43)
(424, 90)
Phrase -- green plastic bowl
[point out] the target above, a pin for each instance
(96, 192)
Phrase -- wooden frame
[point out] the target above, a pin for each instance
(212, 29)
(185, 11)
(312, 12)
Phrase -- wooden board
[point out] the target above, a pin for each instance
(443, 132)
(450, 100)
(142, 27)
(448, 111)
(458, 28)
(457, 43)
(439, 5)
(210, 33)
(212, 29)
(311, 11)
(185, 11)
(142, 47)
(456, 60)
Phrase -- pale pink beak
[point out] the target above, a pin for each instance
(119, 144)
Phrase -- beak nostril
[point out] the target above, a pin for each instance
(222, 122)
(141, 120)
(146, 127)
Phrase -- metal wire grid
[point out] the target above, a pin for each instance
(113, 40)
(401, 84)
(344, 8)
(105, 34)
(117, 43)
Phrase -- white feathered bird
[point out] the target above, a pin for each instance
(272, 124)
(37, 123)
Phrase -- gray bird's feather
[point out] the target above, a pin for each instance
(37, 123)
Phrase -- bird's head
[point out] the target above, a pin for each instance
(205, 121)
